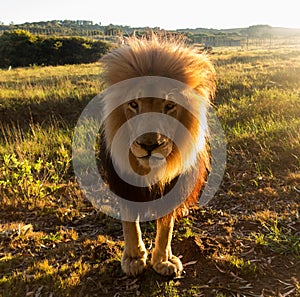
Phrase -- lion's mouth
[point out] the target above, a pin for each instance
(152, 160)
(156, 156)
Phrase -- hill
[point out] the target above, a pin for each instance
(85, 27)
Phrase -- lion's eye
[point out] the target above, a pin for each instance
(170, 106)
(133, 105)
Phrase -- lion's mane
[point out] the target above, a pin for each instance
(165, 58)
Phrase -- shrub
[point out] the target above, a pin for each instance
(17, 48)
(20, 48)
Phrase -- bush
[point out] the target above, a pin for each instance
(20, 48)
(17, 48)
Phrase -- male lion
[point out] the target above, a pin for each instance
(166, 58)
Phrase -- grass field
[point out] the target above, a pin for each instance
(246, 242)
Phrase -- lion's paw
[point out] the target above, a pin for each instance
(171, 267)
(133, 266)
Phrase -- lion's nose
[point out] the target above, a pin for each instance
(150, 141)
(149, 147)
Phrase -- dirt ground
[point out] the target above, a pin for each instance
(218, 245)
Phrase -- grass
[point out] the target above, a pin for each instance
(279, 239)
(244, 243)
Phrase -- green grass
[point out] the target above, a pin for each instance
(246, 242)
(279, 239)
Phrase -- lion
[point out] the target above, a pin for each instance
(165, 58)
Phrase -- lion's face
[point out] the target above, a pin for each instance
(164, 154)
(152, 147)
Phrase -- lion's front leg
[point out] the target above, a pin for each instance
(135, 254)
(163, 261)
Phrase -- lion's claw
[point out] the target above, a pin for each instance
(171, 267)
(133, 266)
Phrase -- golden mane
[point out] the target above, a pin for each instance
(173, 59)
(160, 57)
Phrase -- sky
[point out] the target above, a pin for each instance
(217, 14)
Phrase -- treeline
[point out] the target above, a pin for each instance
(20, 48)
